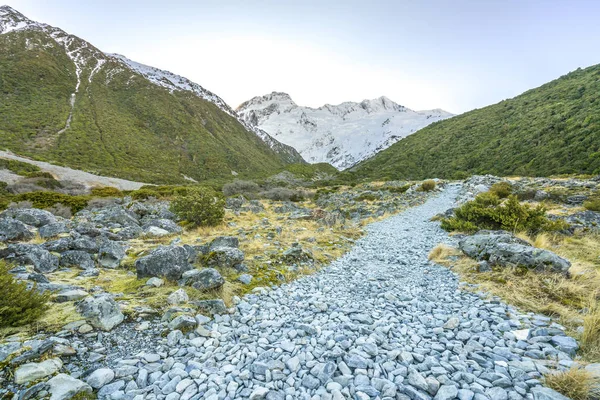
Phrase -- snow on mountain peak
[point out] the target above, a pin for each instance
(342, 134)
(12, 20)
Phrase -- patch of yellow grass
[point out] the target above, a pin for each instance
(441, 252)
(575, 383)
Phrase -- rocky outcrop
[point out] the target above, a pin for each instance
(30, 254)
(13, 230)
(503, 249)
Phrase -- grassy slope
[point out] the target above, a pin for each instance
(553, 129)
(122, 125)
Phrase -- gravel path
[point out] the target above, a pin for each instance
(382, 322)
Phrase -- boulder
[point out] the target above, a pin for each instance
(85, 243)
(156, 231)
(503, 249)
(205, 279)
(13, 230)
(30, 216)
(129, 232)
(100, 377)
(117, 216)
(34, 371)
(183, 323)
(166, 224)
(544, 393)
(59, 245)
(225, 241)
(245, 279)
(156, 282)
(71, 295)
(77, 258)
(164, 261)
(178, 297)
(53, 229)
(64, 387)
(225, 257)
(110, 254)
(30, 254)
(296, 254)
(216, 306)
(101, 311)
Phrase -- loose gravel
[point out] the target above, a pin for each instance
(381, 322)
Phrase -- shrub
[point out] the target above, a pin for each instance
(101, 202)
(18, 305)
(502, 189)
(106, 191)
(143, 194)
(283, 194)
(40, 174)
(527, 194)
(427, 186)
(50, 199)
(18, 167)
(592, 204)
(366, 197)
(397, 189)
(487, 212)
(200, 207)
(240, 187)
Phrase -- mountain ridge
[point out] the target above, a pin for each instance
(342, 134)
(87, 99)
(549, 130)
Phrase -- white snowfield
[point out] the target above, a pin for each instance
(341, 135)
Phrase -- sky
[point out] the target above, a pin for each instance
(456, 55)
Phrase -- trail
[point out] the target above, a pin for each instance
(381, 322)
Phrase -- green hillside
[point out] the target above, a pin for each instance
(553, 129)
(122, 124)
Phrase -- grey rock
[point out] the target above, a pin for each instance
(101, 311)
(77, 258)
(110, 254)
(100, 377)
(30, 216)
(13, 230)
(30, 254)
(64, 387)
(205, 279)
(165, 261)
(53, 229)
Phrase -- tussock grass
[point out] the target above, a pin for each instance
(575, 383)
(441, 252)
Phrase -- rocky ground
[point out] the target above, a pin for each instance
(380, 322)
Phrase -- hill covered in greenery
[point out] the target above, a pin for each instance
(64, 101)
(549, 130)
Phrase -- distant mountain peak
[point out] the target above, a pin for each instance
(342, 134)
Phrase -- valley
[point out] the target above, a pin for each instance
(158, 244)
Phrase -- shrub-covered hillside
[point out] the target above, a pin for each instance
(553, 129)
(122, 123)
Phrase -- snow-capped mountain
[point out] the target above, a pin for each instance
(341, 135)
(88, 60)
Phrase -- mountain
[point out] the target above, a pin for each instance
(341, 135)
(64, 101)
(553, 129)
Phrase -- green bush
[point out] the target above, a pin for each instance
(592, 204)
(283, 194)
(49, 199)
(366, 197)
(40, 174)
(527, 194)
(240, 187)
(427, 186)
(397, 189)
(502, 189)
(143, 194)
(488, 212)
(106, 191)
(18, 167)
(18, 305)
(200, 207)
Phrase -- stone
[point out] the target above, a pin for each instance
(30, 254)
(544, 393)
(203, 280)
(110, 254)
(246, 279)
(225, 257)
(566, 344)
(70, 295)
(34, 371)
(30, 216)
(165, 261)
(216, 306)
(77, 258)
(14, 230)
(100, 377)
(446, 392)
(53, 230)
(156, 282)
(503, 249)
(224, 241)
(259, 393)
(101, 311)
(418, 381)
(164, 224)
(183, 323)
(64, 387)
(178, 297)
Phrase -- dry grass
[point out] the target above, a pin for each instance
(574, 301)
(575, 383)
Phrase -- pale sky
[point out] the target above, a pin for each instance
(456, 55)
